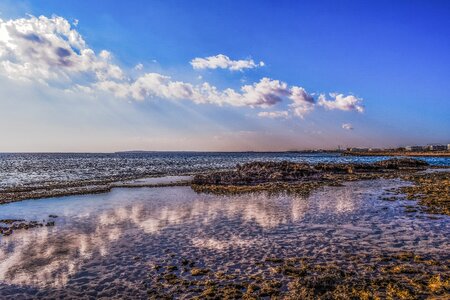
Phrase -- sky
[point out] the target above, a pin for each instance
(105, 76)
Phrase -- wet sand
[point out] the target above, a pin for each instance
(171, 242)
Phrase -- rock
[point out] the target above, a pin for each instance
(401, 163)
(199, 272)
(258, 172)
(19, 224)
(11, 221)
(255, 173)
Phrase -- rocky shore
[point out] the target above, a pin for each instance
(400, 275)
(432, 189)
(255, 173)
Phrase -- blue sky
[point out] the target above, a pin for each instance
(388, 59)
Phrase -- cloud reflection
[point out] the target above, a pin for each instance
(50, 256)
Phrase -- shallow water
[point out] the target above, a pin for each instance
(108, 244)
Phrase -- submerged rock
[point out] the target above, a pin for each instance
(12, 225)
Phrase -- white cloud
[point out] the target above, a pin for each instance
(347, 126)
(274, 114)
(46, 49)
(224, 62)
(302, 102)
(341, 102)
(265, 93)
(50, 51)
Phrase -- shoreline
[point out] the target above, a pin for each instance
(386, 153)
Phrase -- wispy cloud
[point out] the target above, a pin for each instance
(274, 114)
(347, 126)
(221, 61)
(139, 67)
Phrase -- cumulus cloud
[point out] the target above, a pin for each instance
(51, 51)
(221, 61)
(274, 114)
(265, 93)
(341, 102)
(347, 126)
(302, 102)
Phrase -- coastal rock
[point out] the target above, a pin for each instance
(402, 163)
(269, 172)
(258, 172)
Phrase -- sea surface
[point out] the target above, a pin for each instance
(35, 170)
(121, 244)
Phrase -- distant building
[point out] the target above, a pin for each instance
(375, 149)
(438, 147)
(415, 148)
(358, 149)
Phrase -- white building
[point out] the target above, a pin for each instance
(438, 147)
(415, 148)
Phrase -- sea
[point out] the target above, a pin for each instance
(36, 170)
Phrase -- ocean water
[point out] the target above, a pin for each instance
(34, 170)
(108, 245)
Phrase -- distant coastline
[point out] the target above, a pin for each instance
(397, 153)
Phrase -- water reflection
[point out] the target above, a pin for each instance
(49, 256)
(100, 235)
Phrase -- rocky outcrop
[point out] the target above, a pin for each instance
(258, 172)
(255, 173)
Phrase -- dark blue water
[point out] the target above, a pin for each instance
(39, 169)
